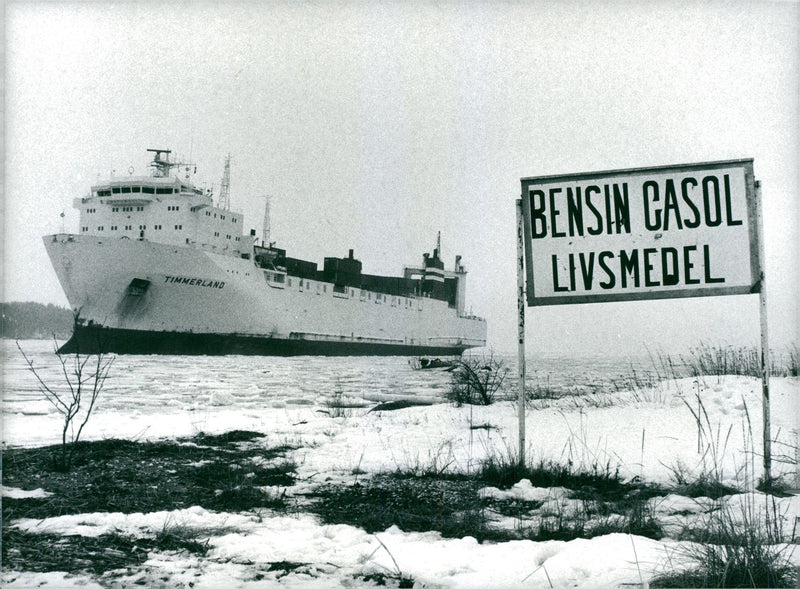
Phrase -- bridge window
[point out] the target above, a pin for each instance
(163, 190)
(148, 189)
(126, 189)
(115, 190)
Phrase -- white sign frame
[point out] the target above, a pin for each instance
(744, 188)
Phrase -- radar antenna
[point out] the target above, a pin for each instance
(161, 165)
(225, 188)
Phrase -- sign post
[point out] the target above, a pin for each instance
(521, 332)
(765, 367)
(686, 230)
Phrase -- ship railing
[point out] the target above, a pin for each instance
(304, 335)
(471, 341)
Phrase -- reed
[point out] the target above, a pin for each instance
(732, 546)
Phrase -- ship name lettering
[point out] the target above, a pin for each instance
(194, 281)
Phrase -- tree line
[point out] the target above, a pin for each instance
(34, 321)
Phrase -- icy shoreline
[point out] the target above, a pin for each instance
(647, 434)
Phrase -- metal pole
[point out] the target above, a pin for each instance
(521, 332)
(762, 296)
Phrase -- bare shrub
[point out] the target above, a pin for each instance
(476, 381)
(793, 367)
(74, 398)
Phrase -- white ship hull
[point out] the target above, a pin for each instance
(138, 296)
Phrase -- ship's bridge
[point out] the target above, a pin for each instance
(144, 185)
(163, 209)
(142, 190)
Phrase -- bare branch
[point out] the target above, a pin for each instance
(84, 389)
(48, 393)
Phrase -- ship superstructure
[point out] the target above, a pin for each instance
(157, 267)
(161, 208)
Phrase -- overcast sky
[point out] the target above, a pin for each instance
(374, 125)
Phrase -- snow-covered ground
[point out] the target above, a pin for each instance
(647, 433)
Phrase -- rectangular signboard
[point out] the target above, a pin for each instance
(646, 233)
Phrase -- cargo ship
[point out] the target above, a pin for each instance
(162, 266)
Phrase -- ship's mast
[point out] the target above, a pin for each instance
(265, 235)
(225, 189)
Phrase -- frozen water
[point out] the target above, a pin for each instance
(145, 384)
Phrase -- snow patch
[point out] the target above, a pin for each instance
(55, 580)
(525, 491)
(14, 493)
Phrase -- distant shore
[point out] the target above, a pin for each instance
(28, 320)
